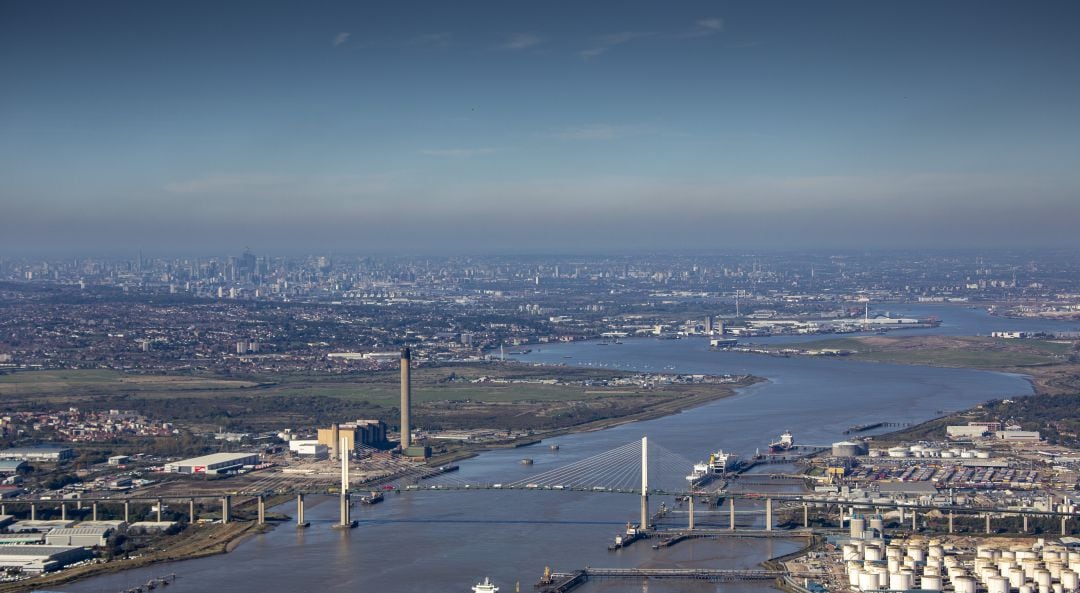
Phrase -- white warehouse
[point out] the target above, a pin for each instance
(212, 464)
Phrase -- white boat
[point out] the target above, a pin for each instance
(485, 587)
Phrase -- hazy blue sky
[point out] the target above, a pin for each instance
(453, 125)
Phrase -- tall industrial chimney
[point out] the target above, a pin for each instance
(406, 397)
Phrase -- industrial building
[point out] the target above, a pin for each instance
(310, 448)
(965, 432)
(369, 433)
(88, 536)
(38, 559)
(11, 466)
(212, 464)
(52, 453)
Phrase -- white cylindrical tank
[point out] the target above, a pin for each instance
(893, 551)
(877, 524)
(997, 584)
(854, 569)
(1042, 578)
(1069, 579)
(935, 551)
(894, 565)
(964, 585)
(1026, 588)
(955, 572)
(982, 455)
(917, 553)
(932, 569)
(867, 581)
(930, 582)
(872, 553)
(1057, 588)
(1055, 567)
(901, 581)
(882, 577)
(1016, 577)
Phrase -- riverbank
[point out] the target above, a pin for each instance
(196, 541)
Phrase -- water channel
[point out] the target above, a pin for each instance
(419, 542)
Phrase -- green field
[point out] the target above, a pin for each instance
(442, 396)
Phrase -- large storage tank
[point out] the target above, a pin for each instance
(930, 582)
(1069, 580)
(997, 585)
(964, 585)
(848, 449)
(858, 527)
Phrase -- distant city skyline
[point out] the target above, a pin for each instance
(430, 127)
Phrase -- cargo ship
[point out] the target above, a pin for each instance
(720, 464)
(786, 442)
(485, 587)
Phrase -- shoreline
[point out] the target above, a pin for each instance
(192, 547)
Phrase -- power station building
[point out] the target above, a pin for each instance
(369, 433)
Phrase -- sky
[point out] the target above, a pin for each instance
(433, 127)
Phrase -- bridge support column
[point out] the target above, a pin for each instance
(78, 504)
(93, 512)
(300, 522)
(914, 520)
(901, 510)
(262, 510)
(63, 511)
(1063, 518)
(191, 510)
(987, 523)
(731, 512)
(3, 509)
(841, 507)
(33, 512)
(806, 515)
(768, 514)
(950, 521)
(127, 511)
(226, 508)
(346, 517)
(159, 505)
(691, 525)
(644, 482)
(1025, 523)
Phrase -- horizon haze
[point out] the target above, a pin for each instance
(430, 127)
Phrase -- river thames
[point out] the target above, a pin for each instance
(449, 540)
